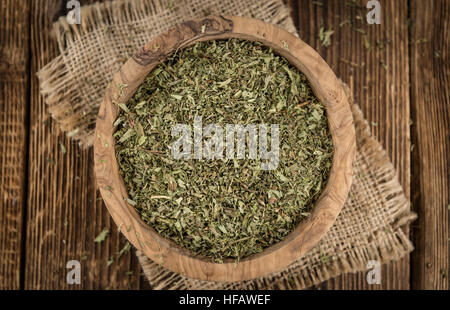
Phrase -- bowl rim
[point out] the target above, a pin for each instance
(308, 233)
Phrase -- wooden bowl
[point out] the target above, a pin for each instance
(308, 233)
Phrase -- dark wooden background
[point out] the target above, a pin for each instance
(49, 207)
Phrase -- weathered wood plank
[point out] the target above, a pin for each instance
(14, 60)
(431, 256)
(64, 212)
(378, 76)
(430, 100)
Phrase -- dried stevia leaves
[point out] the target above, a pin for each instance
(223, 208)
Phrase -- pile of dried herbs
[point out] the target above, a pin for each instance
(223, 208)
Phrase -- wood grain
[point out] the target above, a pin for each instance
(430, 100)
(14, 59)
(326, 86)
(379, 79)
(64, 213)
(429, 112)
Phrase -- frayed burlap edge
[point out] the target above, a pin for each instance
(385, 244)
(65, 94)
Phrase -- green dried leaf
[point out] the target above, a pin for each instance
(131, 202)
(73, 132)
(102, 236)
(63, 148)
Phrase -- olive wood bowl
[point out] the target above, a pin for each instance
(309, 232)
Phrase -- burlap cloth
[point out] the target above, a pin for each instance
(73, 84)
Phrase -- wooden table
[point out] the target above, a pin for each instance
(50, 211)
